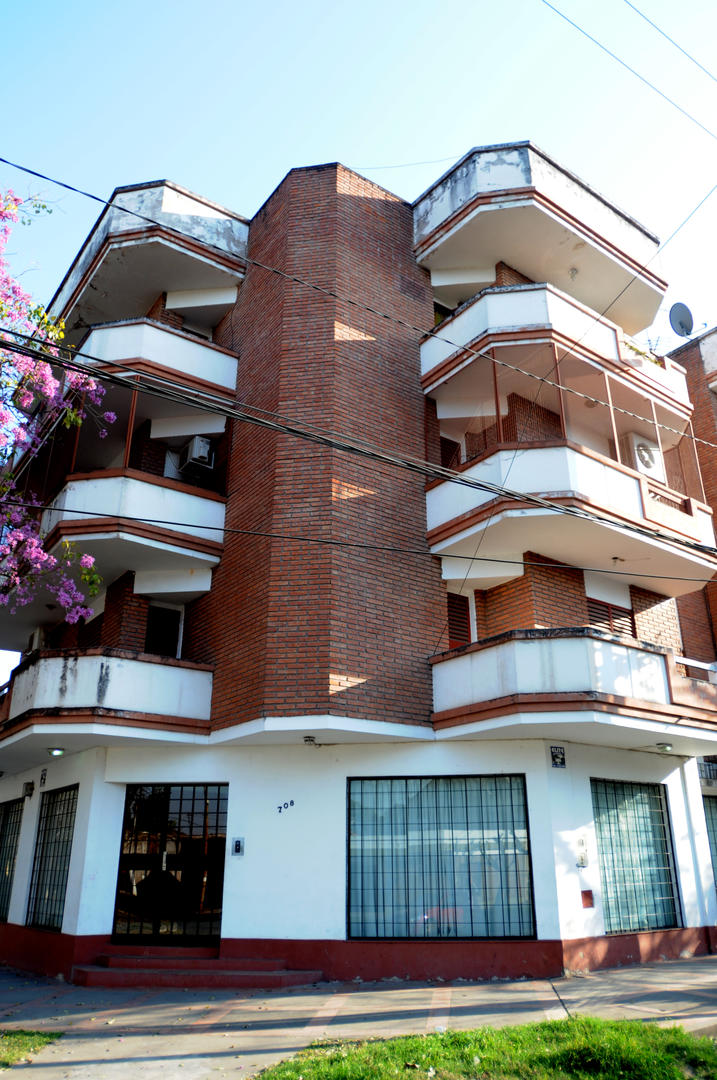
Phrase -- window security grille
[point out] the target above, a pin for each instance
(635, 856)
(10, 818)
(710, 802)
(434, 857)
(52, 858)
(611, 619)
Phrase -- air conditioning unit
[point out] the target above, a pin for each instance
(644, 455)
(198, 451)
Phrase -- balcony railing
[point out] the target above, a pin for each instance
(110, 679)
(536, 675)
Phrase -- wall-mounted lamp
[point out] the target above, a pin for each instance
(55, 751)
(27, 789)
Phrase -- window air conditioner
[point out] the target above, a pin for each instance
(644, 455)
(198, 451)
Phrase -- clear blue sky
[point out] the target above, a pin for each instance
(226, 96)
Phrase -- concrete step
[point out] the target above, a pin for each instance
(189, 963)
(208, 952)
(219, 978)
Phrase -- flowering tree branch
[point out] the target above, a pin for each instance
(35, 396)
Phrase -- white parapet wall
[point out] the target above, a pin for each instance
(143, 341)
(139, 500)
(549, 666)
(112, 682)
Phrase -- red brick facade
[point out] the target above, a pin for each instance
(314, 629)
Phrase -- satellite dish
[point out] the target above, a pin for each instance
(681, 319)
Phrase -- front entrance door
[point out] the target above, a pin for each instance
(171, 867)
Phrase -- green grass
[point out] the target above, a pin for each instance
(19, 1045)
(575, 1049)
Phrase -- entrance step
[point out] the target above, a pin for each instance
(209, 976)
(188, 963)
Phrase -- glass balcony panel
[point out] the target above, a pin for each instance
(467, 413)
(588, 423)
(679, 454)
(529, 407)
(637, 438)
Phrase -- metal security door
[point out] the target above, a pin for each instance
(171, 867)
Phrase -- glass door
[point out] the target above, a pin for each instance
(171, 867)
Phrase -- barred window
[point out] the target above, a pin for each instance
(635, 855)
(435, 857)
(10, 818)
(710, 802)
(52, 858)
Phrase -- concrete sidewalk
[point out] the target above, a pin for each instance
(109, 1034)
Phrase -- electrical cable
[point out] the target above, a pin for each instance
(623, 63)
(388, 548)
(671, 40)
(406, 462)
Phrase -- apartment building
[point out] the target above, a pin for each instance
(402, 661)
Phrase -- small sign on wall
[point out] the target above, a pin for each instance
(557, 757)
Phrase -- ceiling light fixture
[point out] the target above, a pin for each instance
(664, 747)
(55, 751)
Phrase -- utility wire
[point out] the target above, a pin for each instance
(623, 63)
(368, 450)
(302, 538)
(671, 40)
(421, 331)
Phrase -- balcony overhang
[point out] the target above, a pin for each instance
(513, 204)
(458, 516)
(152, 239)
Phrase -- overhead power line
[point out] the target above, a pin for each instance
(368, 450)
(623, 63)
(391, 549)
(671, 40)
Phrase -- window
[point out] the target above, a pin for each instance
(435, 857)
(610, 618)
(459, 620)
(52, 858)
(710, 802)
(165, 624)
(635, 856)
(10, 818)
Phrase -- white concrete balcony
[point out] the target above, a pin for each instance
(574, 683)
(458, 515)
(110, 681)
(151, 344)
(169, 534)
(504, 314)
(170, 241)
(513, 204)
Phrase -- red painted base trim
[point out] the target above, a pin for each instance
(591, 954)
(46, 952)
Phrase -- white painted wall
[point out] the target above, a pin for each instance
(291, 882)
(111, 682)
(124, 496)
(142, 340)
(546, 666)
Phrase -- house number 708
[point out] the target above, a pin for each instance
(285, 806)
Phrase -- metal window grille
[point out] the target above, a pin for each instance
(635, 855)
(171, 867)
(52, 858)
(707, 768)
(710, 802)
(10, 818)
(435, 857)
